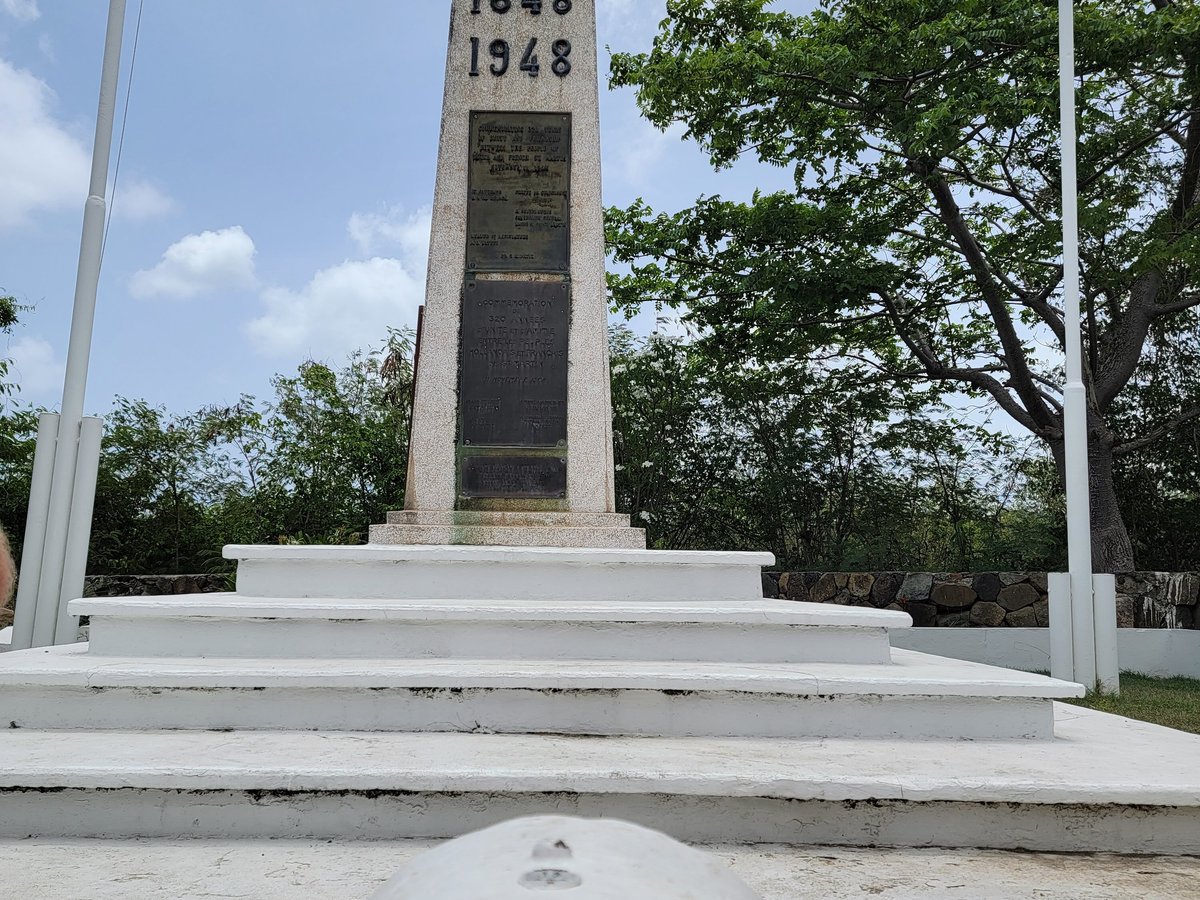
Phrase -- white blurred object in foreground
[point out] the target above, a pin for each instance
(588, 859)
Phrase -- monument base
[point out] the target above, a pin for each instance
(607, 531)
(383, 692)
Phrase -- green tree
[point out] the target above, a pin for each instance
(18, 440)
(8, 318)
(736, 457)
(676, 457)
(1159, 486)
(319, 464)
(339, 443)
(18, 434)
(922, 234)
(153, 495)
(325, 459)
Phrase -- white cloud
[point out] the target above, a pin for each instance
(350, 306)
(393, 230)
(640, 148)
(35, 369)
(199, 264)
(138, 200)
(22, 10)
(46, 46)
(42, 166)
(344, 308)
(45, 168)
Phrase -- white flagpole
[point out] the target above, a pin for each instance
(68, 515)
(1075, 417)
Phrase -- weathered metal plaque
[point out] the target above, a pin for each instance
(514, 477)
(519, 202)
(513, 381)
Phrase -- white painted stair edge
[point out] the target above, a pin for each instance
(231, 626)
(496, 573)
(758, 749)
(917, 696)
(1105, 784)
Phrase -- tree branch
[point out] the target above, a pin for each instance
(978, 378)
(952, 218)
(1127, 339)
(1127, 447)
(1166, 309)
(1040, 304)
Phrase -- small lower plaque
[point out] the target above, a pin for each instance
(514, 477)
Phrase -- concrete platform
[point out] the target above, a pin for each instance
(497, 573)
(227, 625)
(1104, 784)
(302, 870)
(421, 692)
(915, 697)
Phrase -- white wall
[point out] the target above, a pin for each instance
(1160, 652)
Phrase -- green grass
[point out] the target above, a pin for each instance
(1173, 702)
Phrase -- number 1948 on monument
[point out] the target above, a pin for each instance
(501, 51)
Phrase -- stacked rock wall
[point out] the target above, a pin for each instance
(990, 599)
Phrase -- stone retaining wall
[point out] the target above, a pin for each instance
(990, 599)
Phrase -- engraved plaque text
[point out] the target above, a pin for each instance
(513, 390)
(498, 477)
(519, 200)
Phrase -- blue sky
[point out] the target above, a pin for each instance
(273, 199)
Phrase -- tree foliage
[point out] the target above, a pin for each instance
(732, 459)
(9, 310)
(922, 241)
(708, 456)
(18, 432)
(322, 461)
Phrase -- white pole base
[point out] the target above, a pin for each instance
(1083, 633)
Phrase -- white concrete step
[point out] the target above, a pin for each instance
(1106, 784)
(228, 625)
(916, 697)
(383, 572)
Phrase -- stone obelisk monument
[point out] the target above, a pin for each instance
(512, 421)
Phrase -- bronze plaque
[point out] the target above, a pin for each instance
(513, 379)
(519, 200)
(514, 477)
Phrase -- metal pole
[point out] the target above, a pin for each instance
(35, 533)
(1108, 669)
(1075, 433)
(66, 455)
(1062, 654)
(79, 532)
